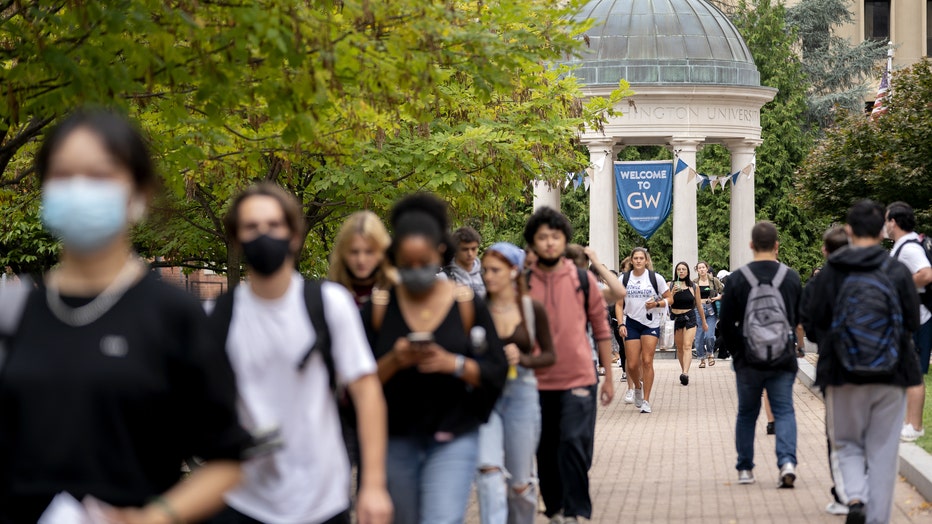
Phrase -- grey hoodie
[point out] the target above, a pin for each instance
(471, 278)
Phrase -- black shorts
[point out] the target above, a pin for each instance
(684, 320)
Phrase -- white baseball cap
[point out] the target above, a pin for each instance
(722, 274)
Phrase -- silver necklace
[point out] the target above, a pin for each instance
(88, 313)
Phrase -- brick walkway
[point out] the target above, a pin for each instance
(678, 463)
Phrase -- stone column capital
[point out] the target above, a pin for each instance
(606, 144)
(747, 145)
(686, 143)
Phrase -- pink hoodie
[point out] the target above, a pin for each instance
(560, 293)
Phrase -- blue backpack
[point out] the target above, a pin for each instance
(867, 327)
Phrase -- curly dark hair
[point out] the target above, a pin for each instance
(422, 214)
(547, 216)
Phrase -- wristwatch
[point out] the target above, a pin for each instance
(459, 368)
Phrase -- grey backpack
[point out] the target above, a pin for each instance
(768, 335)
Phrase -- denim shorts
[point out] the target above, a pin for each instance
(636, 330)
(684, 320)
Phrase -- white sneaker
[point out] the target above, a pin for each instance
(745, 476)
(638, 397)
(836, 508)
(910, 434)
(645, 407)
(787, 475)
(629, 396)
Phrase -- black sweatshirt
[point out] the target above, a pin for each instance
(817, 317)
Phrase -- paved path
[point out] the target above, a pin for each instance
(678, 463)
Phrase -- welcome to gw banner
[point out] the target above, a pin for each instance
(644, 191)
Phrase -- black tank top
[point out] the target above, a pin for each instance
(684, 299)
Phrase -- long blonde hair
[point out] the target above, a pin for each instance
(367, 225)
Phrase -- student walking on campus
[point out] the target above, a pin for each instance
(108, 379)
(760, 311)
(359, 260)
(647, 296)
(290, 342)
(710, 290)
(686, 306)
(569, 389)
(908, 249)
(465, 268)
(863, 312)
(507, 479)
(442, 368)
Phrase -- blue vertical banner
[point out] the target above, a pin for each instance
(644, 191)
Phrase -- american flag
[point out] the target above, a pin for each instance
(880, 106)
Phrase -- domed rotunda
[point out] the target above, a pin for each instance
(695, 82)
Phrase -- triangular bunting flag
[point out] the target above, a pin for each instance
(680, 166)
(734, 178)
(586, 182)
(692, 174)
(703, 181)
(600, 163)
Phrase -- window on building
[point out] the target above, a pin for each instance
(876, 19)
(928, 27)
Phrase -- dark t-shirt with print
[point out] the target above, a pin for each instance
(111, 409)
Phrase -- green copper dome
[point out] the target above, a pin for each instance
(662, 42)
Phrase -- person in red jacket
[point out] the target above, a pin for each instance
(567, 391)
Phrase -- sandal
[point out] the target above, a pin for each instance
(702, 363)
(711, 361)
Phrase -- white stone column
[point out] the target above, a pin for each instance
(685, 228)
(603, 210)
(743, 207)
(546, 195)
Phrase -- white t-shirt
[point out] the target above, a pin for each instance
(913, 256)
(640, 292)
(308, 480)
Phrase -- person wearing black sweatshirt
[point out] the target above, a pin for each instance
(864, 410)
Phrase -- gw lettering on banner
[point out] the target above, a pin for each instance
(644, 192)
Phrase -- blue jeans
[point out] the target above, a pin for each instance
(564, 455)
(507, 443)
(429, 481)
(751, 385)
(705, 340)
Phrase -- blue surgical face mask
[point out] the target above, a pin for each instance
(86, 214)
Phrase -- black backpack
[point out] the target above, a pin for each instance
(867, 326)
(650, 275)
(221, 317)
(925, 243)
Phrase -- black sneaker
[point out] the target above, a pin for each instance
(770, 429)
(856, 514)
(684, 379)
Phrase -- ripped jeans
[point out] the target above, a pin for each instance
(507, 489)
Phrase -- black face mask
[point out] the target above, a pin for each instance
(265, 254)
(419, 280)
(548, 262)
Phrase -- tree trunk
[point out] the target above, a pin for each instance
(234, 268)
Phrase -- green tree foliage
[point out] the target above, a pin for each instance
(347, 104)
(886, 160)
(836, 70)
(785, 145)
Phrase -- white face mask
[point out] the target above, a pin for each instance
(86, 214)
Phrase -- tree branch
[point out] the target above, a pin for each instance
(8, 150)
